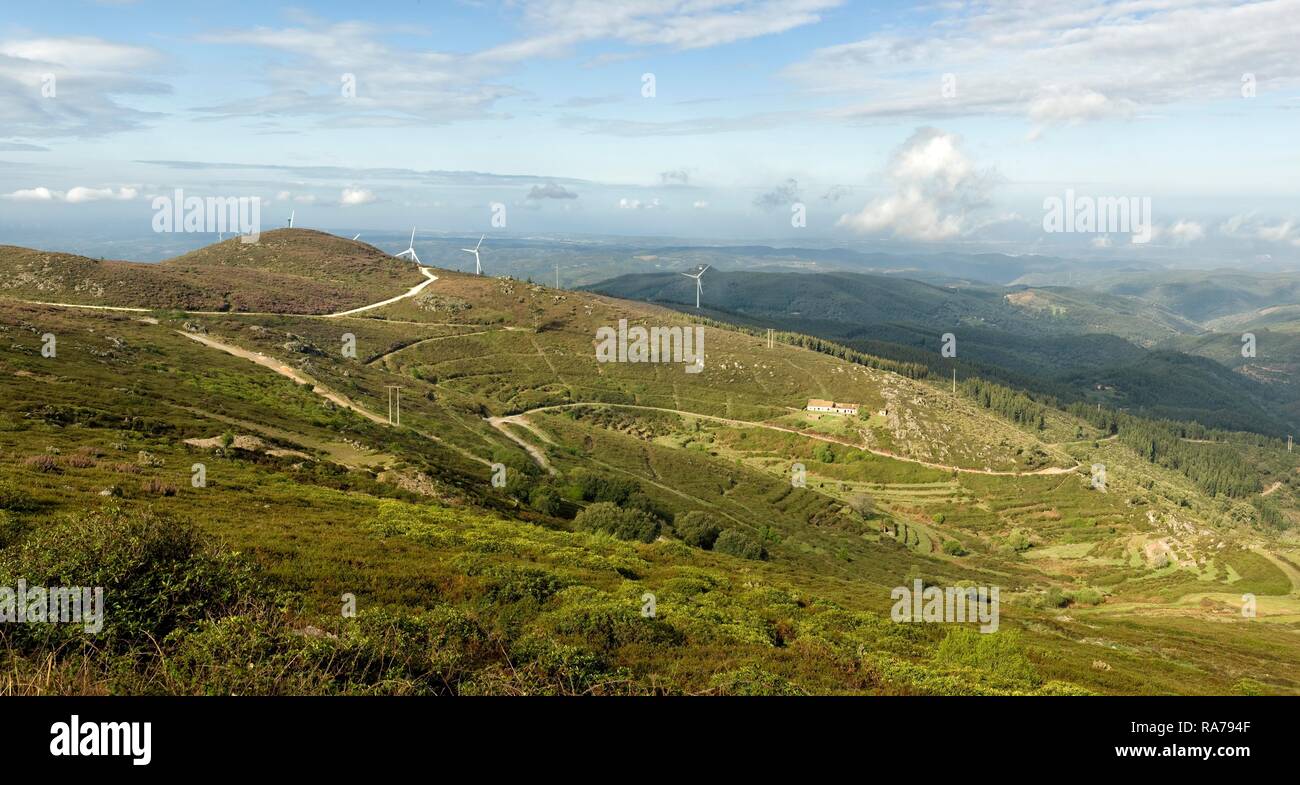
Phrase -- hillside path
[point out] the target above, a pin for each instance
(413, 291)
(1051, 470)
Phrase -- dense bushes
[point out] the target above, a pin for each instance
(697, 529)
(625, 524)
(735, 542)
(157, 576)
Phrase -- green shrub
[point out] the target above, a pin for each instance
(157, 575)
(629, 524)
(953, 548)
(752, 680)
(698, 529)
(15, 499)
(1000, 654)
(735, 542)
(545, 501)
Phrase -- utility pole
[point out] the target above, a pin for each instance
(393, 388)
(770, 337)
(1288, 442)
(557, 276)
(954, 381)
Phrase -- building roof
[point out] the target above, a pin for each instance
(830, 404)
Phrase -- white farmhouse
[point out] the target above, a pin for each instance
(831, 407)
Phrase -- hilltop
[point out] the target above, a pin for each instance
(287, 271)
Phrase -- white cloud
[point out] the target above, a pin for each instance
(636, 204)
(559, 25)
(76, 195)
(935, 184)
(700, 205)
(356, 196)
(70, 87)
(40, 194)
(1184, 232)
(1251, 227)
(1063, 63)
(81, 194)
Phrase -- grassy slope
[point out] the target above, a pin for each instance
(288, 270)
(809, 618)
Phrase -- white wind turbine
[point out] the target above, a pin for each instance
(291, 212)
(478, 268)
(410, 250)
(699, 285)
(355, 236)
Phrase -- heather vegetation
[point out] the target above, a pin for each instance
(768, 537)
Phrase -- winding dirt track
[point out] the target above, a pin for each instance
(519, 418)
(414, 290)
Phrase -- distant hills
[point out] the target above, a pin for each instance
(287, 271)
(1110, 347)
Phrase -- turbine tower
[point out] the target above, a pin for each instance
(410, 249)
(291, 212)
(478, 268)
(699, 285)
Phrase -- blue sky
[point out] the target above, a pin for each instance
(890, 125)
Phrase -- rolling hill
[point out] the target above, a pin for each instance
(619, 480)
(1071, 344)
(288, 271)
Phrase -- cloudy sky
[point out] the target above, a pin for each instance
(890, 126)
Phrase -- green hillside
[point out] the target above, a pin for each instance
(287, 271)
(621, 480)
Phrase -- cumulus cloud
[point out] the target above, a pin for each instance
(40, 194)
(1057, 108)
(76, 195)
(356, 196)
(550, 191)
(1265, 230)
(935, 185)
(627, 203)
(1184, 232)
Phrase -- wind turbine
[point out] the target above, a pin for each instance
(410, 249)
(355, 236)
(291, 212)
(478, 268)
(699, 286)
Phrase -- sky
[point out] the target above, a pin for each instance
(879, 125)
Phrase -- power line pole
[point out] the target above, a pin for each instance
(954, 381)
(393, 388)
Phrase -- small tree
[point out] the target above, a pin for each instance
(735, 542)
(697, 529)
